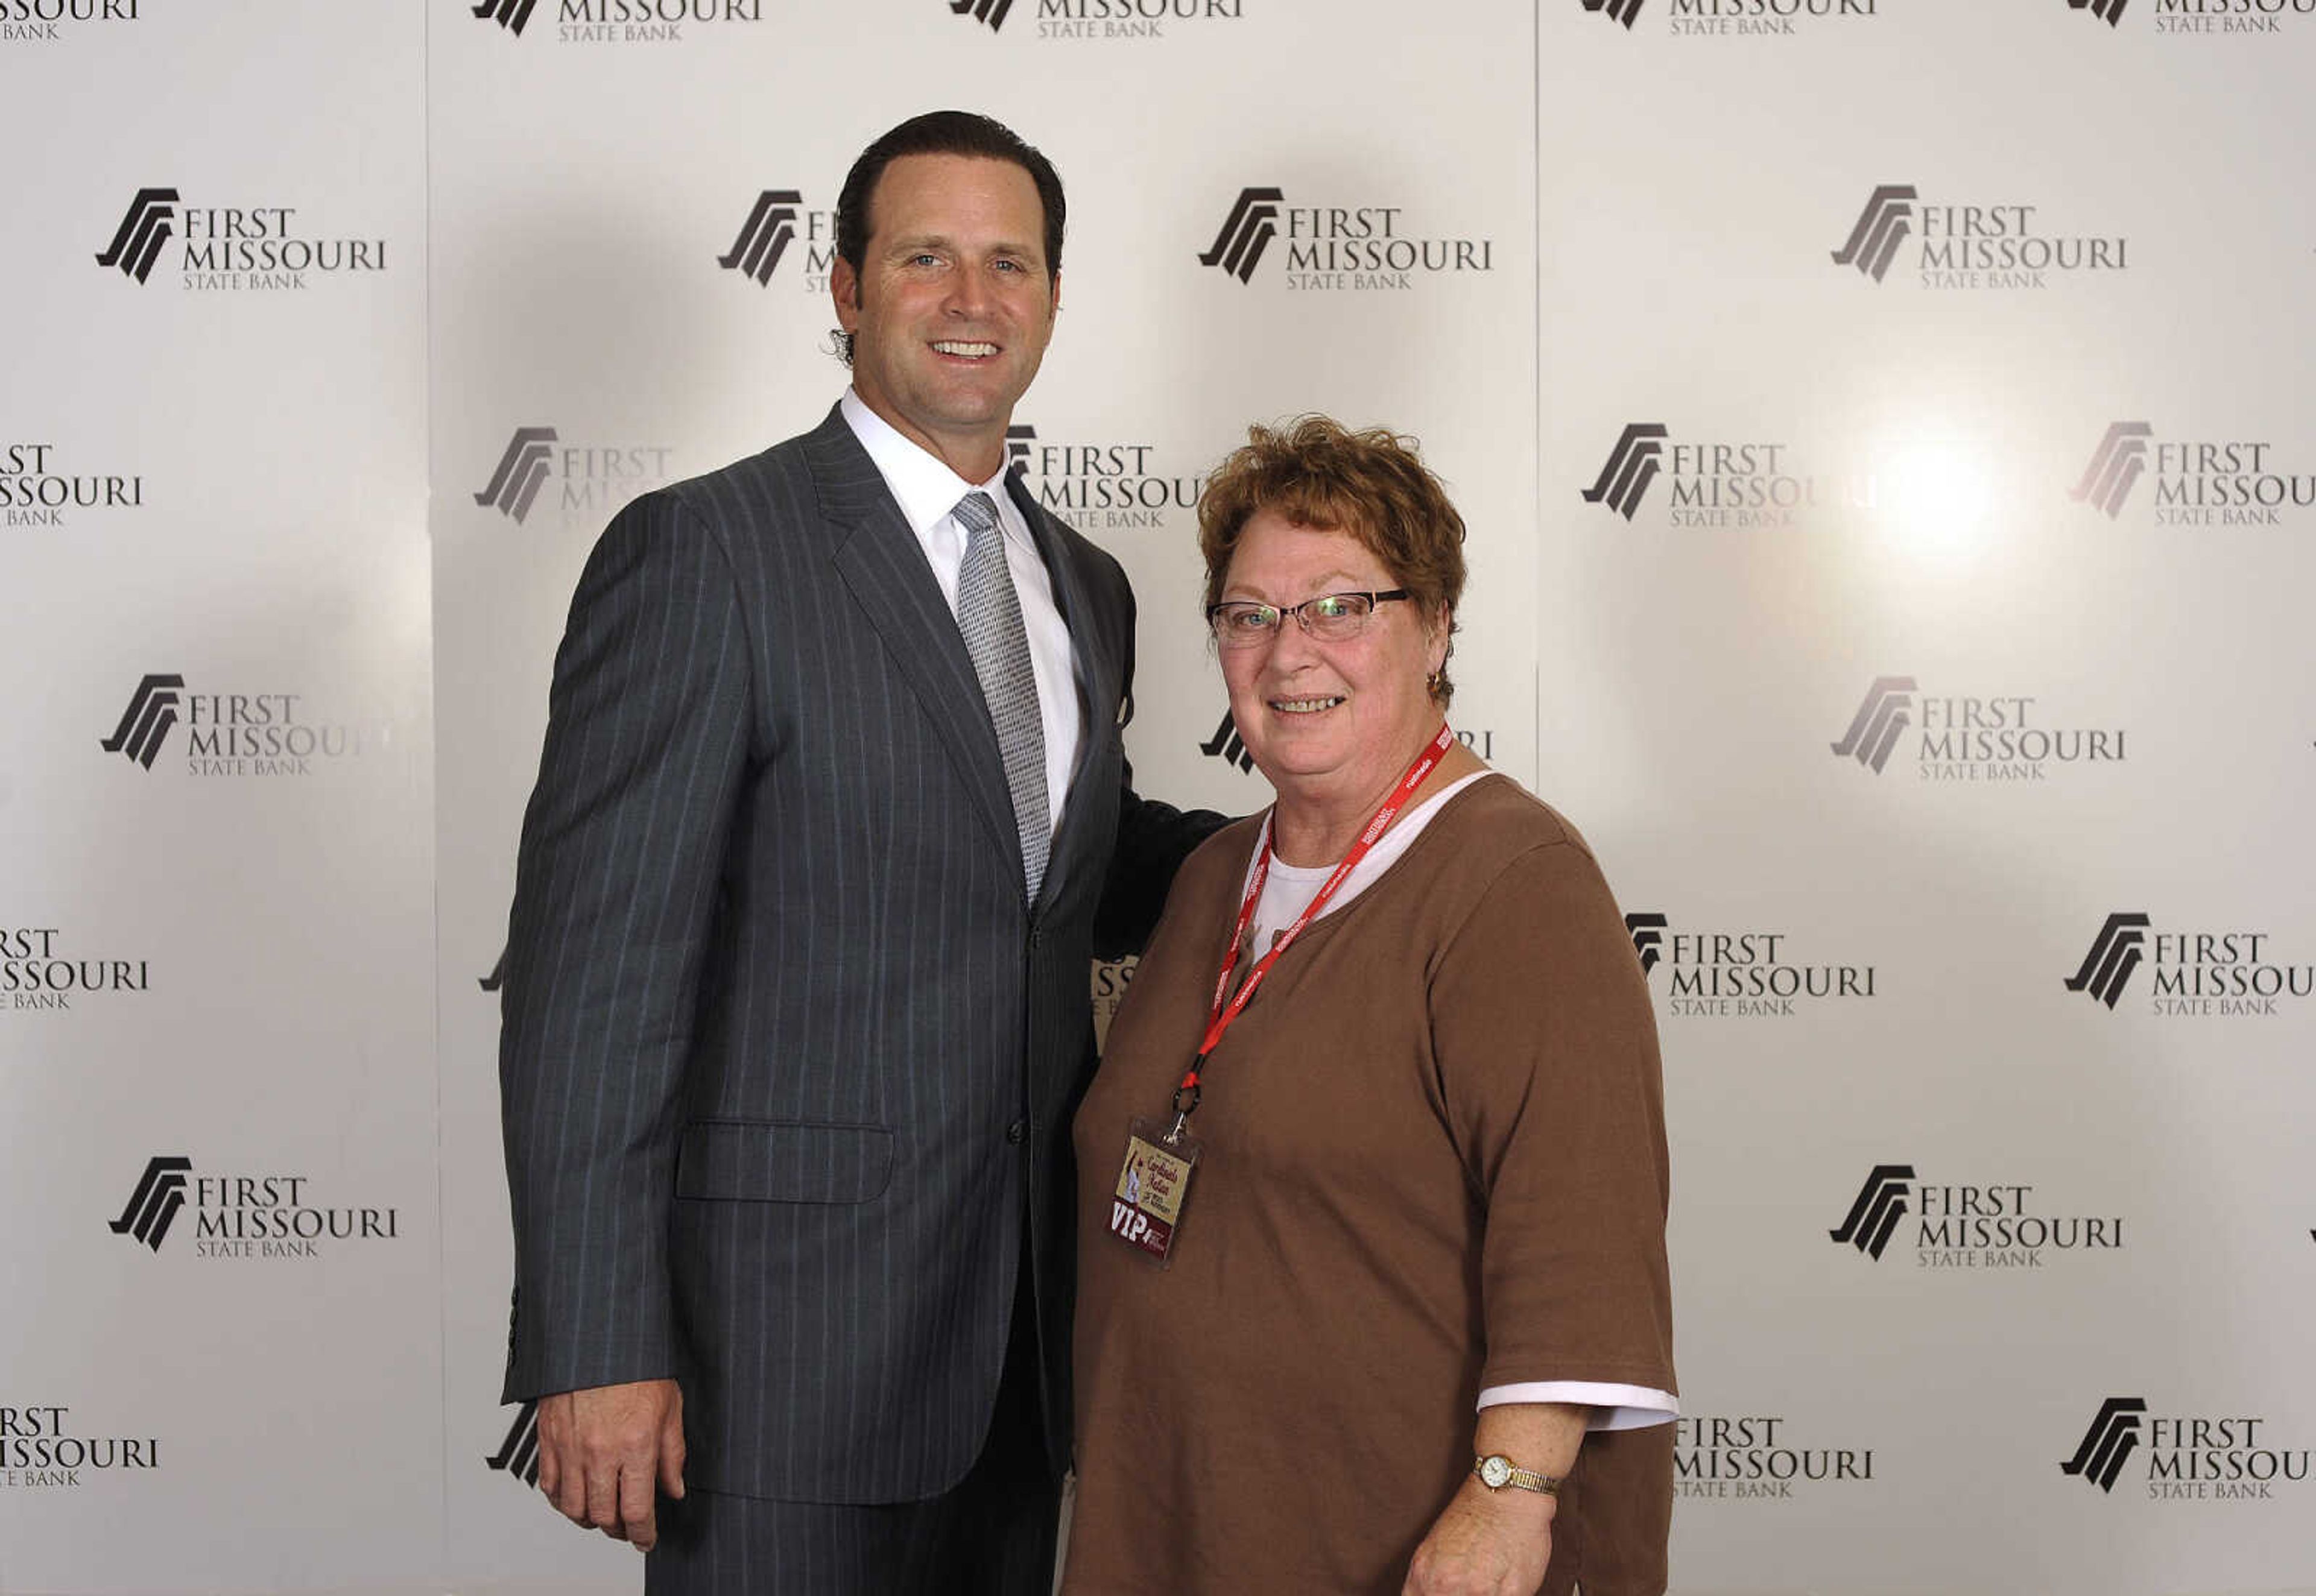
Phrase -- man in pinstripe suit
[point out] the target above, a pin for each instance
(796, 1008)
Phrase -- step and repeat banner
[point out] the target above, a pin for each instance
(1927, 504)
(1885, 431)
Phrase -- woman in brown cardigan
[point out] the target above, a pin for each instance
(1372, 1291)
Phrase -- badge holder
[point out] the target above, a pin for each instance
(1147, 1210)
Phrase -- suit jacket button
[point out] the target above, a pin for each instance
(1018, 1132)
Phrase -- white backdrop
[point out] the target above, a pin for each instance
(286, 516)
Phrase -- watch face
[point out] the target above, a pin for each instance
(1494, 1472)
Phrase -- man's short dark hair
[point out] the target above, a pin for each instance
(945, 133)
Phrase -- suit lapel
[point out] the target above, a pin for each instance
(1097, 675)
(880, 561)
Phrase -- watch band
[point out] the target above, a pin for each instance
(1498, 1471)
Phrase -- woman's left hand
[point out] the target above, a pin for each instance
(1487, 1543)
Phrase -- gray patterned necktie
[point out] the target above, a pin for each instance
(989, 614)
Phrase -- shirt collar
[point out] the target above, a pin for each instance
(925, 488)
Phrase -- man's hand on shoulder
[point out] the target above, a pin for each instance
(604, 1452)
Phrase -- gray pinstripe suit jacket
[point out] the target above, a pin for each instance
(786, 1058)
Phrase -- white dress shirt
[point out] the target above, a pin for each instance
(927, 491)
(1288, 889)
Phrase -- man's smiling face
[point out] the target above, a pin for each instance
(952, 304)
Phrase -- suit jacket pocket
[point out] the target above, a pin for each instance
(783, 1161)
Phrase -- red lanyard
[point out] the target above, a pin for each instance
(1228, 1008)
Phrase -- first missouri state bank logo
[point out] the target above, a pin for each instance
(2107, 1445)
(777, 222)
(1988, 738)
(522, 473)
(1881, 717)
(231, 248)
(2228, 1456)
(1881, 1204)
(41, 970)
(1108, 486)
(1733, 19)
(593, 479)
(2116, 467)
(1723, 974)
(765, 236)
(150, 223)
(1227, 746)
(244, 1216)
(145, 725)
(1648, 937)
(1246, 233)
(517, 1454)
(513, 15)
(2199, 482)
(1882, 227)
(1981, 244)
(39, 489)
(1331, 248)
(1966, 1225)
(1759, 1456)
(152, 1207)
(40, 1448)
(1100, 19)
(2229, 970)
(268, 733)
(618, 21)
(1632, 464)
(1722, 482)
(2116, 952)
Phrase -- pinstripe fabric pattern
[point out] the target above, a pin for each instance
(994, 1535)
(787, 1059)
(975, 1542)
(992, 1539)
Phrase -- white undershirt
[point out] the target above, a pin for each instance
(1289, 889)
(927, 491)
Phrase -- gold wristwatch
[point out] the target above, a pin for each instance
(1498, 1471)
